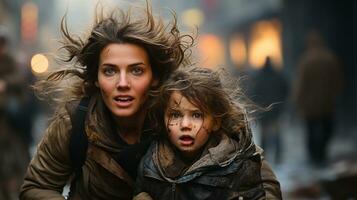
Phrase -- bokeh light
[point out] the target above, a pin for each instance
(238, 50)
(39, 63)
(265, 41)
(211, 51)
(193, 17)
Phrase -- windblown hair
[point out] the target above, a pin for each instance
(166, 47)
(205, 89)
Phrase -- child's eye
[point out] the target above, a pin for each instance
(109, 71)
(175, 115)
(197, 115)
(136, 70)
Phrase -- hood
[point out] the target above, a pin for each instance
(219, 152)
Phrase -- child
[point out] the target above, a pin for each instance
(205, 148)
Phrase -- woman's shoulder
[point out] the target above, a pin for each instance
(59, 126)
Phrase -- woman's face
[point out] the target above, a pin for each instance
(124, 78)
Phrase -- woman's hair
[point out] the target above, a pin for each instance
(205, 89)
(166, 47)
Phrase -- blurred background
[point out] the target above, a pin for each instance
(297, 59)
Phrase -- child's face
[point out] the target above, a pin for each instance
(188, 127)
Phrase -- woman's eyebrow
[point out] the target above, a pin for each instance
(108, 64)
(137, 63)
(130, 65)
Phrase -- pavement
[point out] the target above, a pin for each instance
(294, 172)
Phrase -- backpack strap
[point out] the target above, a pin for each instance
(78, 143)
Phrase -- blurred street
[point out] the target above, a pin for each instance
(298, 178)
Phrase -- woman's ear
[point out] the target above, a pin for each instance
(96, 84)
(155, 82)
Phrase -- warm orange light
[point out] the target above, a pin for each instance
(29, 20)
(238, 50)
(39, 63)
(265, 41)
(211, 50)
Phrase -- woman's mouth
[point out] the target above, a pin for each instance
(123, 101)
(186, 140)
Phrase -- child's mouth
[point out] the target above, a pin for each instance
(186, 140)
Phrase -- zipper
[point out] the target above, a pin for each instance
(173, 190)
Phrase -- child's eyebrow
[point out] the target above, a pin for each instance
(177, 102)
(173, 109)
(184, 109)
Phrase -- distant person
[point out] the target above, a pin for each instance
(317, 86)
(204, 149)
(269, 91)
(14, 155)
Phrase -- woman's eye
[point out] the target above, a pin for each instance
(109, 71)
(197, 115)
(137, 70)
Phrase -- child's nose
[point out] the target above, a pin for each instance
(186, 123)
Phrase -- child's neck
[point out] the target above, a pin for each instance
(191, 158)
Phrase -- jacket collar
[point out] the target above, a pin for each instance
(104, 134)
(213, 156)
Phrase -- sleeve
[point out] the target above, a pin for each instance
(142, 196)
(50, 169)
(270, 182)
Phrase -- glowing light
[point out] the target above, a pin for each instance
(265, 41)
(39, 63)
(238, 50)
(211, 50)
(29, 20)
(193, 17)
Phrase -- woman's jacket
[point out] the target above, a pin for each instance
(51, 167)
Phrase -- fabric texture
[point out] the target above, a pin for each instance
(224, 171)
(51, 168)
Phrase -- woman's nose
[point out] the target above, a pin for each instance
(123, 82)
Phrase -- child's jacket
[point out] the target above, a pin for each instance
(223, 171)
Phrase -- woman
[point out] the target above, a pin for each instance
(123, 58)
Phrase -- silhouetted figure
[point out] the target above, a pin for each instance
(14, 155)
(269, 91)
(317, 85)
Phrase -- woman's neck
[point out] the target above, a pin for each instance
(130, 128)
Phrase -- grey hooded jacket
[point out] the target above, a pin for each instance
(224, 171)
